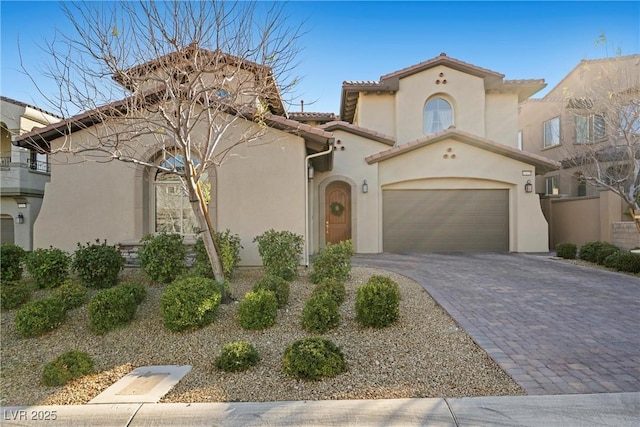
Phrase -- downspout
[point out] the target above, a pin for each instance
(306, 200)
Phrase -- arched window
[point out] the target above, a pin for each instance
(173, 212)
(438, 116)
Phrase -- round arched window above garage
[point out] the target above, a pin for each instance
(438, 116)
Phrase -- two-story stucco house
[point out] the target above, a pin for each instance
(23, 172)
(425, 159)
(593, 109)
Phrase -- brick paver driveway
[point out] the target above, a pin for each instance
(555, 327)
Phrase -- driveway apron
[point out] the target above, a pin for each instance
(555, 327)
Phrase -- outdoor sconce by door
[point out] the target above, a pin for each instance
(20, 219)
(365, 186)
(528, 187)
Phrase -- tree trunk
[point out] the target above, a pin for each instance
(208, 235)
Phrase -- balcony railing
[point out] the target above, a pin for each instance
(34, 165)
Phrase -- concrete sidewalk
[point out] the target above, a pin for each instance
(612, 409)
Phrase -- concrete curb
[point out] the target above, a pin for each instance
(613, 409)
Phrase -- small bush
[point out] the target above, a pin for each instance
(48, 267)
(229, 252)
(332, 262)
(11, 257)
(71, 294)
(258, 310)
(378, 302)
(66, 367)
(39, 317)
(237, 356)
(14, 294)
(277, 285)
(623, 261)
(110, 309)
(162, 257)
(597, 252)
(190, 303)
(333, 287)
(280, 252)
(320, 314)
(313, 358)
(566, 250)
(135, 289)
(98, 265)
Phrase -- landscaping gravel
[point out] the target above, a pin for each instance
(425, 354)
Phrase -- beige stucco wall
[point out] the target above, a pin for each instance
(502, 118)
(377, 111)
(472, 168)
(259, 186)
(349, 166)
(465, 92)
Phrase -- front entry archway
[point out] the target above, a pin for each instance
(337, 212)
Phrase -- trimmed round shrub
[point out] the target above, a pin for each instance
(14, 294)
(312, 359)
(66, 367)
(566, 250)
(320, 314)
(596, 252)
(190, 303)
(237, 356)
(98, 265)
(228, 250)
(258, 310)
(48, 267)
(333, 287)
(280, 252)
(162, 257)
(72, 294)
(623, 261)
(378, 302)
(110, 309)
(332, 262)
(11, 257)
(275, 284)
(39, 317)
(135, 289)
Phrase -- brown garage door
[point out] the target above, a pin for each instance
(445, 220)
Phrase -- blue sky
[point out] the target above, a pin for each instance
(364, 40)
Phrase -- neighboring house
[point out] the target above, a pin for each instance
(581, 114)
(23, 172)
(425, 159)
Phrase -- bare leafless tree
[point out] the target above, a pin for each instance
(173, 79)
(605, 112)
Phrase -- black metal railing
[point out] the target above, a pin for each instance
(34, 165)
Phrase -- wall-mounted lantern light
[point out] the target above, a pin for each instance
(528, 187)
(20, 219)
(365, 186)
(310, 171)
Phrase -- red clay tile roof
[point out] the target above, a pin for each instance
(24, 104)
(311, 116)
(439, 60)
(357, 130)
(43, 136)
(542, 164)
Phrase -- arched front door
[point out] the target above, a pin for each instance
(337, 212)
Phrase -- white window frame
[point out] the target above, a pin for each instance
(435, 121)
(551, 137)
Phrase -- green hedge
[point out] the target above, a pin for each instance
(39, 317)
(11, 258)
(333, 287)
(190, 303)
(162, 257)
(258, 310)
(66, 367)
(280, 252)
(378, 302)
(237, 356)
(313, 358)
(14, 294)
(597, 252)
(275, 284)
(332, 262)
(98, 264)
(320, 314)
(48, 267)
(72, 294)
(566, 250)
(111, 309)
(623, 261)
(228, 245)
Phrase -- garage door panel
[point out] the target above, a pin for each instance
(445, 220)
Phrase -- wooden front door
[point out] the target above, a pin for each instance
(337, 212)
